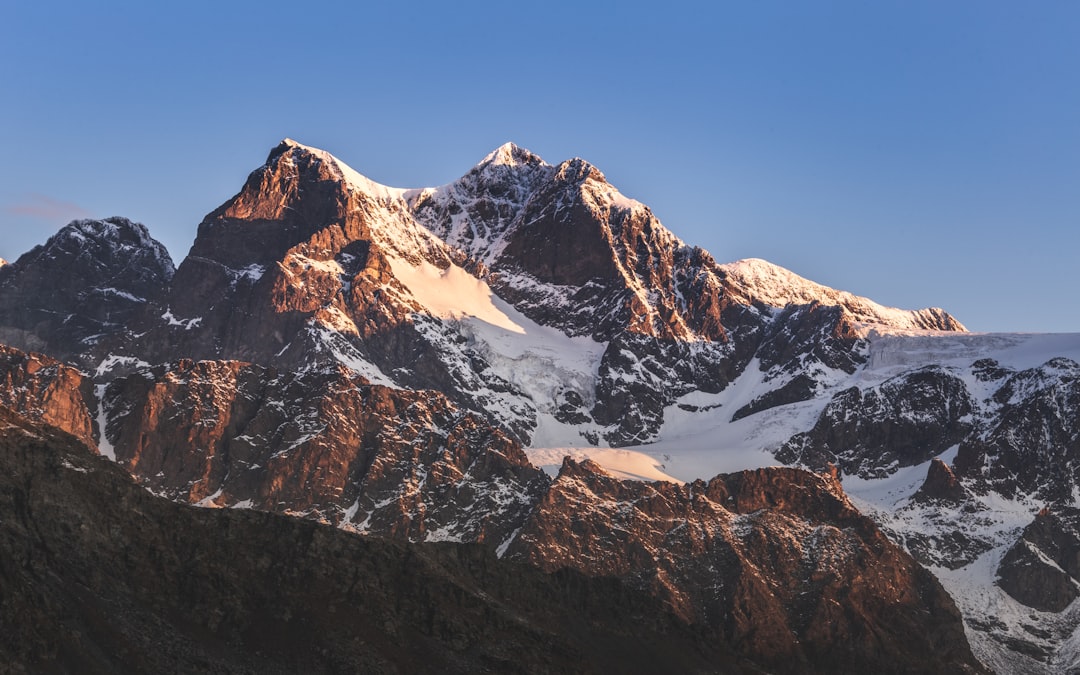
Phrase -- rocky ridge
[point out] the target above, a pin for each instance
(577, 319)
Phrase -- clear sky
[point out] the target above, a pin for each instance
(919, 153)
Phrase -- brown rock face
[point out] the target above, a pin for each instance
(941, 484)
(322, 444)
(47, 391)
(292, 247)
(776, 561)
(574, 234)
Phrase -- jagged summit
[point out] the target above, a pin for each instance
(87, 242)
(291, 149)
(88, 281)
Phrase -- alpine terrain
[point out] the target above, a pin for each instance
(513, 424)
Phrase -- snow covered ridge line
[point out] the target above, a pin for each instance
(779, 287)
(354, 178)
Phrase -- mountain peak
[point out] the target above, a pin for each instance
(509, 154)
(90, 236)
(350, 176)
(289, 145)
(577, 170)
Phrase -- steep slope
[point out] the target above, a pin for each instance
(569, 251)
(46, 391)
(312, 265)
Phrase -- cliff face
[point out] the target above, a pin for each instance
(1042, 569)
(47, 391)
(326, 445)
(777, 561)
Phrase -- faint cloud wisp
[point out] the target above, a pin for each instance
(44, 207)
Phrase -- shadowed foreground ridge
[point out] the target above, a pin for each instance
(99, 575)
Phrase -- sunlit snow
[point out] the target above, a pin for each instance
(621, 463)
(451, 293)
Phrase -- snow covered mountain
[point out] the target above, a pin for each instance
(416, 363)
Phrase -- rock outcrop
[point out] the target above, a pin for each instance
(47, 391)
(905, 421)
(776, 561)
(1033, 446)
(1042, 570)
(327, 445)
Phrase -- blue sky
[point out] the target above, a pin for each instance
(919, 153)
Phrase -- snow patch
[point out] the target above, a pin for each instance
(620, 463)
(105, 448)
(186, 324)
(119, 293)
(68, 465)
(112, 361)
(345, 353)
(209, 502)
(777, 286)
